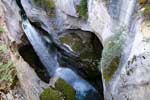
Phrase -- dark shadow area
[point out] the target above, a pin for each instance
(29, 55)
(89, 48)
(83, 43)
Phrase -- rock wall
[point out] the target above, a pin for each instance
(127, 75)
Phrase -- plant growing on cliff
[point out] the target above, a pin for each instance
(146, 12)
(82, 9)
(1, 29)
(47, 5)
(7, 70)
(111, 55)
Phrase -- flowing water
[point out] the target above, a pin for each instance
(122, 13)
(48, 57)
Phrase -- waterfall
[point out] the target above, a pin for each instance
(48, 56)
(122, 10)
(127, 8)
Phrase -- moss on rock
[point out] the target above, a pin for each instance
(141, 2)
(89, 50)
(82, 9)
(47, 5)
(146, 11)
(67, 91)
(50, 94)
(111, 56)
(1, 29)
(111, 69)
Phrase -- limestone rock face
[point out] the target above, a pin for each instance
(68, 6)
(99, 18)
(133, 80)
(129, 68)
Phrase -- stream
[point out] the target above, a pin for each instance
(47, 54)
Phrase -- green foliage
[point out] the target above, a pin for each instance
(141, 2)
(50, 94)
(1, 29)
(146, 11)
(83, 9)
(7, 69)
(62, 91)
(67, 91)
(45, 4)
(109, 72)
(111, 56)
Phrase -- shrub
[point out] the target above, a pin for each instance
(7, 70)
(83, 9)
(45, 3)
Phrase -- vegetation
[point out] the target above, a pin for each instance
(146, 11)
(47, 5)
(142, 1)
(1, 29)
(111, 56)
(62, 91)
(7, 70)
(83, 9)
(67, 91)
(50, 94)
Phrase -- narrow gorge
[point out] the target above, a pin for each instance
(74, 49)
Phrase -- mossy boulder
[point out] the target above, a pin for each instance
(61, 91)
(50, 94)
(67, 91)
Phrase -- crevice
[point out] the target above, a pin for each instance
(89, 48)
(30, 56)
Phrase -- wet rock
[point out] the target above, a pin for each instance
(67, 91)
(87, 46)
(59, 90)
(50, 94)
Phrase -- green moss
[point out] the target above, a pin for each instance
(1, 29)
(67, 91)
(146, 11)
(111, 69)
(89, 50)
(50, 94)
(47, 5)
(111, 56)
(141, 2)
(83, 9)
(73, 41)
